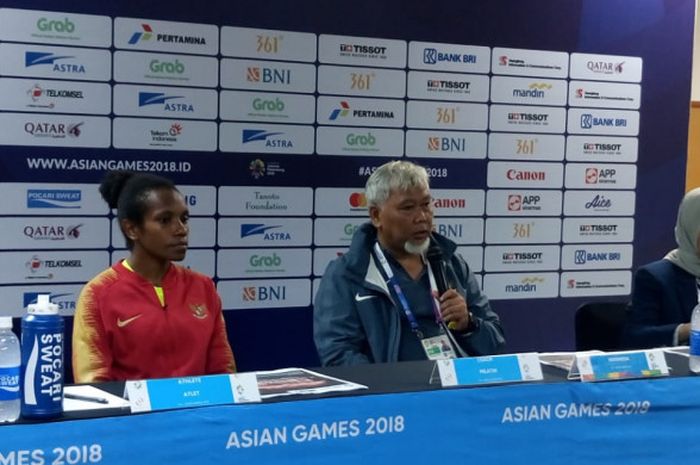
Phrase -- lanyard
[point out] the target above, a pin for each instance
(393, 283)
(697, 286)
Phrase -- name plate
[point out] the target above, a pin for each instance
(194, 391)
(490, 370)
(622, 365)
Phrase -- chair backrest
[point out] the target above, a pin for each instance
(599, 325)
(67, 345)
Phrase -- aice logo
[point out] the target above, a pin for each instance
(52, 232)
(157, 98)
(265, 231)
(447, 144)
(432, 57)
(599, 202)
(526, 285)
(268, 75)
(166, 67)
(264, 293)
(357, 200)
(581, 256)
(65, 302)
(46, 58)
(261, 135)
(605, 67)
(534, 90)
(588, 121)
(48, 25)
(53, 198)
(517, 202)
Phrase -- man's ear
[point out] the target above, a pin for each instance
(130, 229)
(374, 216)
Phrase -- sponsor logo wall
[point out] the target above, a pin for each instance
(538, 122)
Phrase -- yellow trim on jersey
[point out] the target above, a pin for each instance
(158, 289)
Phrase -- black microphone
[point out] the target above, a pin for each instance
(439, 267)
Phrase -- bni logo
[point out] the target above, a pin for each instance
(42, 58)
(146, 33)
(53, 198)
(264, 293)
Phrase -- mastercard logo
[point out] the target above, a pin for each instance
(357, 200)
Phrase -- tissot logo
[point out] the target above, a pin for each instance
(361, 50)
(432, 57)
(436, 84)
(527, 117)
(598, 228)
(146, 34)
(46, 58)
(594, 147)
(53, 198)
(521, 256)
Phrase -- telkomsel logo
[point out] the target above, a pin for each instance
(37, 93)
(45, 58)
(53, 198)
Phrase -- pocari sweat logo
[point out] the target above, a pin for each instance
(53, 198)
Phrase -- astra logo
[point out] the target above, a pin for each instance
(431, 57)
(256, 229)
(257, 135)
(264, 293)
(588, 121)
(65, 302)
(357, 200)
(145, 34)
(53, 198)
(43, 58)
(447, 144)
(154, 98)
(342, 111)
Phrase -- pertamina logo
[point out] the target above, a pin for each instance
(431, 56)
(53, 130)
(53, 198)
(146, 34)
(51, 59)
(52, 232)
(345, 109)
(265, 231)
(160, 98)
(269, 138)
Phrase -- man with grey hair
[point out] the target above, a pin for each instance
(379, 302)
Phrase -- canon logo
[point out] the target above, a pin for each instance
(518, 175)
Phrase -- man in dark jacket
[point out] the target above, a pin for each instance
(379, 302)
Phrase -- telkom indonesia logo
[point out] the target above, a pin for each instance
(145, 35)
(342, 111)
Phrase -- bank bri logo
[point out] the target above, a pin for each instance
(53, 198)
(145, 35)
(42, 58)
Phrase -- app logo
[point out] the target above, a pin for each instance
(518, 202)
(515, 202)
(591, 175)
(53, 198)
(357, 200)
(145, 34)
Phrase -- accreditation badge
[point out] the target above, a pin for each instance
(438, 347)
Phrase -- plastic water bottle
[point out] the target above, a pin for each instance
(694, 362)
(9, 371)
(42, 360)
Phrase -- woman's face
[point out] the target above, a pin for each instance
(163, 233)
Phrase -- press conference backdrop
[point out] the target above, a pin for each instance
(554, 133)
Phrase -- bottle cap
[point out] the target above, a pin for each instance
(5, 322)
(43, 306)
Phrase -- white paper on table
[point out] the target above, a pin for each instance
(74, 405)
